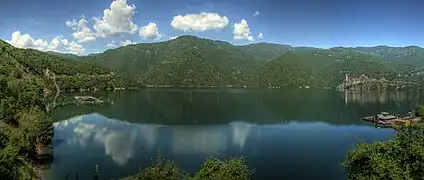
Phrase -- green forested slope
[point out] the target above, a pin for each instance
(192, 61)
(23, 117)
(69, 74)
(159, 63)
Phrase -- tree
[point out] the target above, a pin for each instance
(162, 169)
(419, 111)
(212, 169)
(235, 168)
(400, 158)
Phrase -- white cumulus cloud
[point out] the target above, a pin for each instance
(256, 13)
(81, 32)
(75, 48)
(260, 36)
(199, 22)
(173, 37)
(127, 42)
(150, 31)
(116, 20)
(242, 31)
(27, 42)
(111, 44)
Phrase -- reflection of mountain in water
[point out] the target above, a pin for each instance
(181, 107)
(119, 139)
(380, 97)
(205, 140)
(116, 137)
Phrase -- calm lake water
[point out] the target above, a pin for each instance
(290, 134)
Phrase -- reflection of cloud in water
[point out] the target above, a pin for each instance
(240, 132)
(64, 124)
(207, 140)
(117, 137)
(119, 145)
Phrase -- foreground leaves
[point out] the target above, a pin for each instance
(401, 158)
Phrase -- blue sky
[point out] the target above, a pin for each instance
(42, 24)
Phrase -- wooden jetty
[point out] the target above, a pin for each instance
(385, 119)
(88, 100)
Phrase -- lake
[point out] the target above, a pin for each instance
(291, 134)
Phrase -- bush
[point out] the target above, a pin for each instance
(161, 170)
(400, 158)
(224, 170)
(212, 169)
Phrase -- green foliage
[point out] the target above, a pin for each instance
(420, 111)
(70, 74)
(235, 168)
(212, 169)
(400, 158)
(162, 169)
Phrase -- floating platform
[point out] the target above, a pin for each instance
(88, 100)
(385, 119)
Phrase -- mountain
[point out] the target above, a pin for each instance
(289, 70)
(181, 60)
(65, 55)
(192, 61)
(265, 51)
(93, 54)
(189, 61)
(43, 66)
(409, 55)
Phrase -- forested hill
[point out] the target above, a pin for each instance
(193, 61)
(21, 64)
(189, 61)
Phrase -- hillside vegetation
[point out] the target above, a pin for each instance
(69, 74)
(189, 61)
(192, 61)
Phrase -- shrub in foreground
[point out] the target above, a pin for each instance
(400, 158)
(212, 169)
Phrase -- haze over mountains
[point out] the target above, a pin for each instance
(189, 61)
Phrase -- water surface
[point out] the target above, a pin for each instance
(290, 134)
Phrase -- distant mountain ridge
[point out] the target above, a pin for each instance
(273, 49)
(194, 61)
(65, 55)
(190, 61)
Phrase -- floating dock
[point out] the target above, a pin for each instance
(88, 100)
(385, 119)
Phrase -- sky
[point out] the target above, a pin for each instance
(88, 26)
